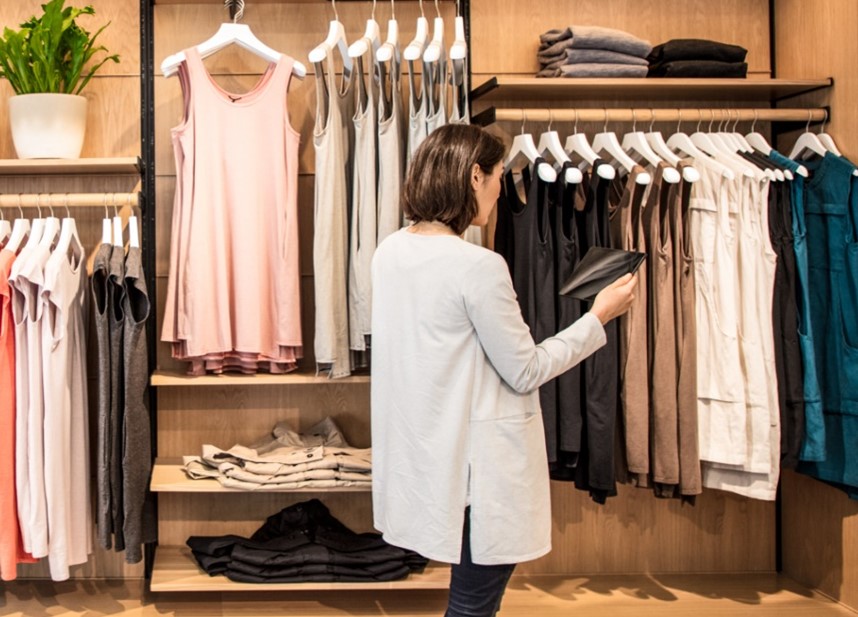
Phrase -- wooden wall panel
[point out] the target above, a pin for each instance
(505, 33)
(113, 129)
(820, 537)
(820, 524)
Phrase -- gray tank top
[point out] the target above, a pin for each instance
(138, 507)
(417, 110)
(391, 148)
(362, 236)
(116, 323)
(437, 94)
(100, 312)
(332, 197)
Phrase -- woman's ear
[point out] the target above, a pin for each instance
(476, 176)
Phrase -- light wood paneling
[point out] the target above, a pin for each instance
(226, 415)
(182, 515)
(120, 37)
(820, 537)
(820, 524)
(505, 33)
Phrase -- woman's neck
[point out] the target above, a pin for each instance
(432, 228)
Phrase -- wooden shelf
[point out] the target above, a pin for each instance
(168, 477)
(175, 570)
(559, 88)
(129, 165)
(172, 378)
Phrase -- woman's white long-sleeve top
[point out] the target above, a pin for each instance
(455, 408)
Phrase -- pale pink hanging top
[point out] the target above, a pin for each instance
(233, 299)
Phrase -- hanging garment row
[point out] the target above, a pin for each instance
(46, 509)
(363, 142)
(714, 364)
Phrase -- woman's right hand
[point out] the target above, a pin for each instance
(615, 299)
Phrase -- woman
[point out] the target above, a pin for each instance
(460, 472)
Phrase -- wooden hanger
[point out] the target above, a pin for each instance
(231, 33)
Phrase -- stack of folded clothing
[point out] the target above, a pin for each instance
(697, 58)
(304, 543)
(285, 460)
(592, 51)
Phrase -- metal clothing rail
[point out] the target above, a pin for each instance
(72, 200)
(647, 114)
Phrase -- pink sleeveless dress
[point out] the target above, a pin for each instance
(233, 301)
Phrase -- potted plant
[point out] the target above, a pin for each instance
(47, 63)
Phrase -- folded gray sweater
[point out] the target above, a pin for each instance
(601, 56)
(593, 37)
(603, 70)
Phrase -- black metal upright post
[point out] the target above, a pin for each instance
(147, 154)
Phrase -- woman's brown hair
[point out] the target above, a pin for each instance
(438, 184)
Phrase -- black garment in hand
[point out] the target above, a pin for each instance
(696, 49)
(698, 68)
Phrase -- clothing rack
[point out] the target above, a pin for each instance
(72, 200)
(647, 114)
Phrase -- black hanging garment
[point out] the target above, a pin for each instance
(595, 471)
(568, 310)
(533, 274)
(788, 363)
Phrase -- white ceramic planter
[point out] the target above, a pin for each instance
(48, 126)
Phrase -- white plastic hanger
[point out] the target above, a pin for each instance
(106, 226)
(68, 231)
(826, 139)
(416, 47)
(51, 230)
(522, 144)
(371, 38)
(715, 149)
(459, 48)
(577, 144)
(336, 39)
(230, 33)
(549, 142)
(390, 48)
(682, 142)
(607, 141)
(5, 229)
(807, 141)
(659, 146)
(433, 50)
(20, 229)
(133, 230)
(731, 148)
(636, 142)
(117, 226)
